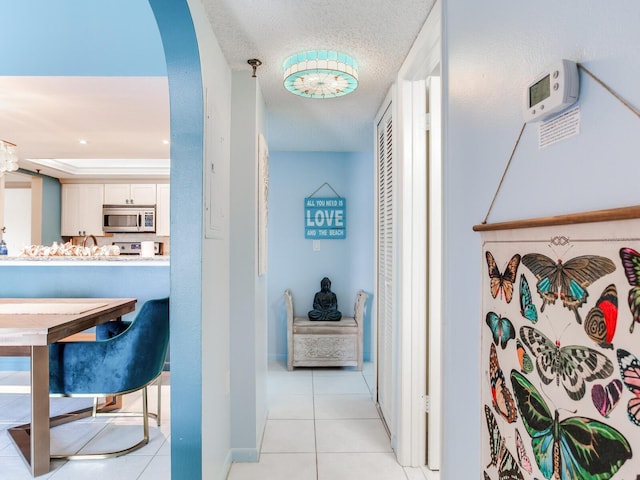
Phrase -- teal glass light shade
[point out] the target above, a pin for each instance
(320, 74)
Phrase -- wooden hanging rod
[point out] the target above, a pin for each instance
(8, 143)
(623, 213)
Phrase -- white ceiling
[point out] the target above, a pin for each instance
(119, 117)
(128, 117)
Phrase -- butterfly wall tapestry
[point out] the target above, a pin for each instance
(560, 350)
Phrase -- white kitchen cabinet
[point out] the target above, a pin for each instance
(130, 194)
(81, 209)
(162, 210)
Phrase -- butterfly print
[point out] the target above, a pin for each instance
(567, 280)
(605, 398)
(486, 476)
(527, 308)
(573, 448)
(502, 398)
(501, 457)
(526, 365)
(523, 458)
(630, 374)
(600, 323)
(631, 263)
(572, 365)
(502, 281)
(501, 327)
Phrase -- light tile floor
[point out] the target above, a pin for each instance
(322, 425)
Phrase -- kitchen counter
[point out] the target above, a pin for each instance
(112, 260)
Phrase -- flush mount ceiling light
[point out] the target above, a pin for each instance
(320, 74)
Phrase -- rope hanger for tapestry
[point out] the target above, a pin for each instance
(515, 147)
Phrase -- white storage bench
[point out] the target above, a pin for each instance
(322, 343)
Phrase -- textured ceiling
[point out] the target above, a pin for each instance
(376, 33)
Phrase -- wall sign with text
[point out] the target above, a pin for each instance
(325, 218)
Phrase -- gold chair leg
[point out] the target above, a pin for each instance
(145, 414)
(133, 448)
(159, 414)
(100, 410)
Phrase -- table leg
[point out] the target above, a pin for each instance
(32, 439)
(40, 438)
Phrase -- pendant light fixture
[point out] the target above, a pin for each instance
(320, 74)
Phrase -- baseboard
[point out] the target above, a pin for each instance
(277, 357)
(244, 455)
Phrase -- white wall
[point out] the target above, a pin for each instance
(491, 51)
(248, 291)
(216, 411)
(261, 363)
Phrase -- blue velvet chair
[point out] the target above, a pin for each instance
(123, 364)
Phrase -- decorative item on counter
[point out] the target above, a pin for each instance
(69, 250)
(147, 249)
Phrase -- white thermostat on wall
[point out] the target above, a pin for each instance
(551, 91)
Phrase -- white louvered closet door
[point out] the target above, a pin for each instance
(385, 253)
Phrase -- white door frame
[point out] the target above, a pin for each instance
(410, 419)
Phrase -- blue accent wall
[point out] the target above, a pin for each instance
(144, 283)
(186, 102)
(80, 37)
(292, 261)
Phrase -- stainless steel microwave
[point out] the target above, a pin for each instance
(128, 218)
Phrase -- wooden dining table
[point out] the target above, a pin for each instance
(29, 326)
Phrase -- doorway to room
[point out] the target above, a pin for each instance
(409, 272)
